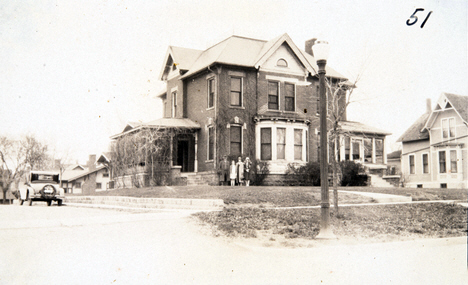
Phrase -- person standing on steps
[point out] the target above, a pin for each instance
(224, 171)
(233, 173)
(247, 167)
(240, 171)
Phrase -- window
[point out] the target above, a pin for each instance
(280, 143)
(174, 104)
(368, 150)
(411, 164)
(356, 145)
(98, 186)
(77, 184)
(273, 96)
(448, 128)
(236, 91)
(211, 90)
(105, 175)
(210, 143)
(265, 141)
(425, 162)
(289, 99)
(442, 168)
(453, 161)
(236, 140)
(297, 144)
(282, 63)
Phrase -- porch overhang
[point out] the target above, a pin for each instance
(162, 124)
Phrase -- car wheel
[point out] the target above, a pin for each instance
(59, 202)
(49, 202)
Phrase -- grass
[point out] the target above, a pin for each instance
(260, 196)
(418, 194)
(374, 223)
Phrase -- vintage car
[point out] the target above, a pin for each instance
(42, 186)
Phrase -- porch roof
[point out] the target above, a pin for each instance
(356, 127)
(162, 123)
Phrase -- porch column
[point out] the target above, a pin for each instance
(373, 151)
(342, 147)
(384, 151)
(171, 150)
(195, 166)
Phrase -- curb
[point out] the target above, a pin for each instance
(147, 203)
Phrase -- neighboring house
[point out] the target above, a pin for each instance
(434, 148)
(249, 97)
(80, 180)
(394, 163)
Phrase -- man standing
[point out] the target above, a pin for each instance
(224, 171)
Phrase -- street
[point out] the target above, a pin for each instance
(68, 245)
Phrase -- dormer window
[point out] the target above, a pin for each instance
(282, 63)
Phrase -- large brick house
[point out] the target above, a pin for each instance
(248, 97)
(434, 148)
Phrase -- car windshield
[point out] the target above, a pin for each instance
(41, 178)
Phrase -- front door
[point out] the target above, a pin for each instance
(183, 154)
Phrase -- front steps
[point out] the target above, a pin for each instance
(377, 181)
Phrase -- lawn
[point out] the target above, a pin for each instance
(259, 196)
(370, 223)
(418, 194)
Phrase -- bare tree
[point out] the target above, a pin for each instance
(339, 94)
(16, 157)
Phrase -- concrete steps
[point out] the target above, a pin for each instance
(377, 181)
(151, 203)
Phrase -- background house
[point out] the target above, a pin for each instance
(86, 180)
(434, 153)
(248, 97)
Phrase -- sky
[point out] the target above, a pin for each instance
(73, 73)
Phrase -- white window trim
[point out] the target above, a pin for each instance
(448, 124)
(428, 163)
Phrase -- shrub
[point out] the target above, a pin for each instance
(306, 175)
(352, 174)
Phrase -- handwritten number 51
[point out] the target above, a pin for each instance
(409, 23)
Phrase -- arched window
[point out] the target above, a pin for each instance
(282, 62)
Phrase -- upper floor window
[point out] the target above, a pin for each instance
(289, 97)
(236, 140)
(236, 91)
(273, 95)
(174, 104)
(448, 128)
(282, 63)
(211, 92)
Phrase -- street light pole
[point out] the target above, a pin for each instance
(321, 50)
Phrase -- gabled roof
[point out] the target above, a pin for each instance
(238, 51)
(394, 155)
(70, 175)
(356, 127)
(415, 131)
(458, 103)
(105, 157)
(162, 123)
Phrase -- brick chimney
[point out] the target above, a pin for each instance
(428, 105)
(308, 46)
(91, 162)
